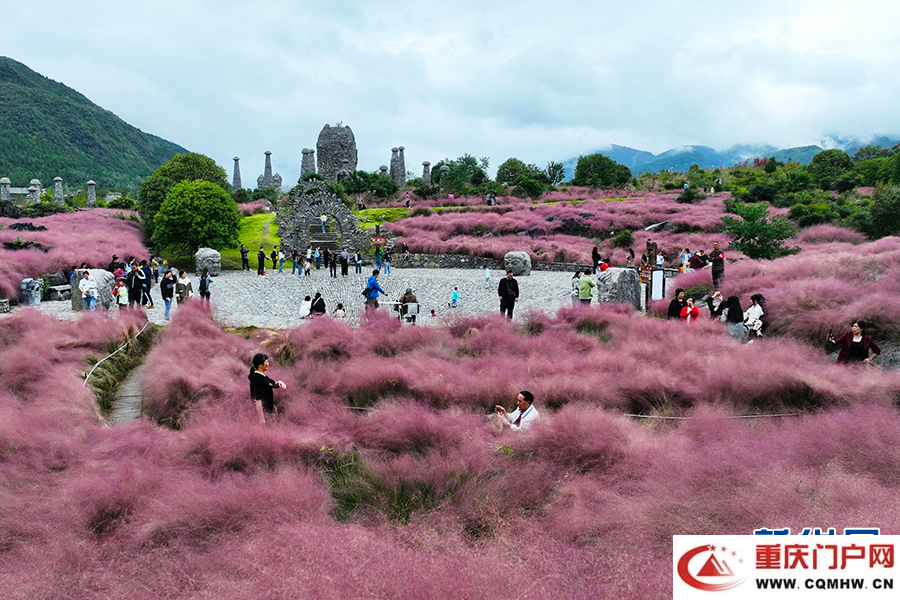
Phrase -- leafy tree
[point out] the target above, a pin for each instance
(241, 195)
(529, 187)
(464, 170)
(596, 170)
(827, 166)
(871, 151)
(151, 195)
(771, 166)
(556, 172)
(895, 169)
(757, 236)
(874, 171)
(192, 166)
(195, 214)
(374, 184)
(122, 202)
(623, 239)
(883, 215)
(510, 171)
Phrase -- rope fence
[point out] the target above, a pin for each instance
(91, 372)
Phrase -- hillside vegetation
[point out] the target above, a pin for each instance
(50, 130)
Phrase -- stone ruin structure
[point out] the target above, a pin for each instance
(308, 164)
(236, 180)
(426, 173)
(383, 170)
(58, 191)
(398, 166)
(267, 180)
(299, 223)
(91, 193)
(334, 146)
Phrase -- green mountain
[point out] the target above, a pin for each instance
(49, 130)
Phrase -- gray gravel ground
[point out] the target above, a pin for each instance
(243, 298)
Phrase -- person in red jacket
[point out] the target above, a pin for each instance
(690, 312)
(855, 345)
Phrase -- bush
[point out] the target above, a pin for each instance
(623, 239)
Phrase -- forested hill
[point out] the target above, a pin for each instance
(49, 130)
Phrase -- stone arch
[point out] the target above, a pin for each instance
(298, 217)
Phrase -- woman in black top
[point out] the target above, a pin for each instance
(261, 386)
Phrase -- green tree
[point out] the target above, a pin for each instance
(151, 195)
(883, 215)
(895, 170)
(191, 167)
(556, 172)
(510, 171)
(757, 236)
(463, 170)
(195, 214)
(596, 170)
(871, 151)
(827, 167)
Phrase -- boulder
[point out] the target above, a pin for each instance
(518, 262)
(105, 284)
(656, 227)
(619, 285)
(58, 278)
(207, 258)
(60, 292)
(31, 290)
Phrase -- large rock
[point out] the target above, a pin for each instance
(619, 285)
(31, 291)
(207, 258)
(105, 284)
(518, 262)
(58, 278)
(335, 145)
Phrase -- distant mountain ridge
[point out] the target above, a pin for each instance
(680, 159)
(49, 130)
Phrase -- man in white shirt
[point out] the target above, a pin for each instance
(88, 288)
(523, 417)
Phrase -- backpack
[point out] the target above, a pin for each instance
(204, 285)
(367, 291)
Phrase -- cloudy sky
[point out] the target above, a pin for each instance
(536, 80)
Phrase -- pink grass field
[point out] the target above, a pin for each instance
(90, 236)
(427, 501)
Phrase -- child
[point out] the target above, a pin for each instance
(121, 294)
(454, 298)
(432, 313)
(487, 276)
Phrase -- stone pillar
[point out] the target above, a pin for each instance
(37, 184)
(91, 193)
(4, 190)
(395, 162)
(384, 170)
(267, 173)
(444, 170)
(276, 183)
(34, 194)
(236, 181)
(58, 191)
(308, 165)
(401, 169)
(426, 173)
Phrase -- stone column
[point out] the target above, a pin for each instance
(267, 173)
(395, 162)
(308, 165)
(4, 190)
(426, 173)
(91, 193)
(236, 181)
(34, 194)
(401, 169)
(384, 170)
(58, 191)
(40, 189)
(444, 170)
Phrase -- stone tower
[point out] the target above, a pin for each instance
(58, 191)
(236, 181)
(426, 173)
(91, 193)
(335, 145)
(308, 165)
(267, 180)
(401, 169)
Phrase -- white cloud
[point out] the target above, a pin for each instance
(530, 79)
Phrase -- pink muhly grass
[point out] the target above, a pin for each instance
(90, 236)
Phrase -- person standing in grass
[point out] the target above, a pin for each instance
(855, 346)
(675, 306)
(523, 417)
(245, 258)
(274, 257)
(717, 265)
(262, 386)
